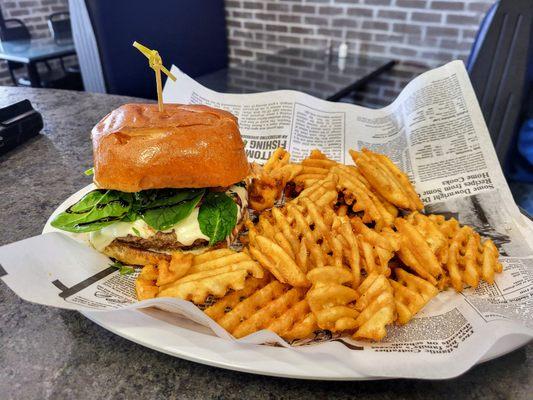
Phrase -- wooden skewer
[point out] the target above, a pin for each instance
(156, 64)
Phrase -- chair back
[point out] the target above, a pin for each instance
(498, 68)
(190, 34)
(14, 29)
(59, 26)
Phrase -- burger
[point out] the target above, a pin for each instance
(165, 181)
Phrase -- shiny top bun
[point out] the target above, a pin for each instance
(136, 147)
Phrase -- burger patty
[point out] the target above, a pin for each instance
(160, 241)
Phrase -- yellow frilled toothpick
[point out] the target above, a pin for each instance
(157, 65)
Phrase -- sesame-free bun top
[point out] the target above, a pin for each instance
(136, 147)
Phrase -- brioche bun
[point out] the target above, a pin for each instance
(136, 147)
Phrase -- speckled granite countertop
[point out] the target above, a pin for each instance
(46, 353)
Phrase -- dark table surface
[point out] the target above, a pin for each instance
(29, 51)
(311, 71)
(47, 353)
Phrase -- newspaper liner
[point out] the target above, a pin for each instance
(434, 130)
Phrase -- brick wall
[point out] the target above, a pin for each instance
(429, 31)
(34, 13)
(422, 34)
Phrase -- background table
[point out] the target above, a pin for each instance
(30, 52)
(47, 353)
(311, 71)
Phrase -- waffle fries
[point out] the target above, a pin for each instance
(338, 255)
(195, 278)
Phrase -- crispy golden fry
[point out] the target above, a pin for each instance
(330, 300)
(295, 323)
(145, 289)
(447, 227)
(269, 181)
(343, 232)
(216, 281)
(314, 168)
(278, 159)
(341, 235)
(301, 328)
(305, 234)
(178, 266)
(227, 303)
(470, 260)
(411, 294)
(358, 194)
(275, 306)
(416, 253)
(376, 306)
(322, 193)
(145, 284)
(195, 277)
(387, 179)
(289, 240)
(376, 249)
(431, 232)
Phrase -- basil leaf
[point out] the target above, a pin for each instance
(96, 210)
(217, 216)
(89, 171)
(166, 212)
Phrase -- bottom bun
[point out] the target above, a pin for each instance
(133, 255)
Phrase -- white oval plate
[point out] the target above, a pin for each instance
(170, 334)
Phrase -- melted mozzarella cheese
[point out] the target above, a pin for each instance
(243, 195)
(102, 238)
(187, 230)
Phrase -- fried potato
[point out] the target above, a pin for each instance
(358, 194)
(269, 181)
(275, 306)
(411, 294)
(330, 300)
(314, 168)
(196, 277)
(178, 266)
(376, 248)
(431, 232)
(376, 307)
(278, 159)
(336, 256)
(227, 303)
(470, 259)
(145, 284)
(447, 227)
(302, 235)
(416, 253)
(387, 179)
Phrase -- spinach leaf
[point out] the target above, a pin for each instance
(217, 216)
(164, 197)
(122, 269)
(167, 209)
(97, 209)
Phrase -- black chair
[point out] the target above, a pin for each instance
(498, 69)
(15, 29)
(61, 31)
(190, 34)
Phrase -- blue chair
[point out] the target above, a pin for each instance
(188, 33)
(498, 66)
